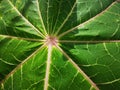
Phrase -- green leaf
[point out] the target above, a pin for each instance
(59, 45)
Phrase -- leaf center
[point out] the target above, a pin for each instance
(51, 40)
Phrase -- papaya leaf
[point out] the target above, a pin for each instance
(59, 45)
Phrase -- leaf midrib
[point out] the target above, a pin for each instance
(48, 62)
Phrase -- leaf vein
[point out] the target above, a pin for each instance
(19, 66)
(82, 24)
(39, 12)
(79, 69)
(65, 20)
(26, 19)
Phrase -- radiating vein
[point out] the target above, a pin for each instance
(26, 19)
(82, 24)
(20, 65)
(66, 18)
(57, 17)
(20, 38)
(48, 17)
(39, 12)
(86, 41)
(78, 68)
(48, 67)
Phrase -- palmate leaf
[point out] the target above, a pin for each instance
(59, 45)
